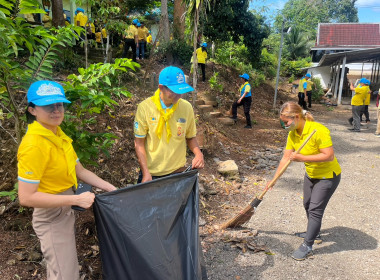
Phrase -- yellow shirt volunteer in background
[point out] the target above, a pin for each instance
(360, 95)
(131, 32)
(201, 55)
(143, 33)
(149, 39)
(82, 18)
(320, 140)
(162, 157)
(45, 159)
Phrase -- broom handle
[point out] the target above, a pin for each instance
(284, 167)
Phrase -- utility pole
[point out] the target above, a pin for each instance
(279, 64)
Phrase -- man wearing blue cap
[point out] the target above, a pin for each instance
(357, 103)
(131, 39)
(164, 124)
(245, 100)
(201, 57)
(307, 87)
(46, 19)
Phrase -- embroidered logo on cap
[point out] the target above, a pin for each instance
(49, 89)
(180, 78)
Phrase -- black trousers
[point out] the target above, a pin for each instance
(316, 195)
(308, 93)
(365, 112)
(246, 103)
(301, 100)
(203, 68)
(127, 44)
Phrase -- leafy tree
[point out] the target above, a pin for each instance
(297, 44)
(230, 19)
(306, 14)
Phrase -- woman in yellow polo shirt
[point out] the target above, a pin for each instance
(48, 168)
(322, 168)
(201, 57)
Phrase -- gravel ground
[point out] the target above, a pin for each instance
(350, 228)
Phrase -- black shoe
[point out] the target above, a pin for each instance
(318, 239)
(350, 121)
(353, 130)
(309, 106)
(248, 126)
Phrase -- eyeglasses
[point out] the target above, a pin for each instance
(60, 107)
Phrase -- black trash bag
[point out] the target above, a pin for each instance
(150, 230)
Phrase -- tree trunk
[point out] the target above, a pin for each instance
(164, 22)
(195, 60)
(179, 20)
(57, 13)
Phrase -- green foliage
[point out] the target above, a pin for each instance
(12, 195)
(214, 84)
(291, 79)
(180, 50)
(317, 90)
(294, 67)
(297, 44)
(268, 63)
(94, 91)
(306, 14)
(231, 20)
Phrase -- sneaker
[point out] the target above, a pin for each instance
(353, 130)
(318, 239)
(302, 252)
(248, 126)
(377, 134)
(350, 121)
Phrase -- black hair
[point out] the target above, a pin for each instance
(29, 117)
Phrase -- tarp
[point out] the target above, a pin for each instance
(150, 230)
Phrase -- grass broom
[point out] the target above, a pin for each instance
(246, 214)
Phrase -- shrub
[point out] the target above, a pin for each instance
(317, 91)
(180, 50)
(294, 67)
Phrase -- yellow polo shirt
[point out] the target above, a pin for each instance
(201, 55)
(367, 100)
(142, 33)
(320, 140)
(300, 85)
(82, 18)
(131, 32)
(360, 95)
(47, 159)
(308, 83)
(162, 157)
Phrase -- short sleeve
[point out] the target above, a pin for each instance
(140, 124)
(31, 164)
(324, 139)
(305, 85)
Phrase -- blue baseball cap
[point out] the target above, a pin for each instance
(367, 82)
(47, 10)
(244, 76)
(174, 79)
(138, 24)
(308, 75)
(204, 45)
(362, 81)
(135, 21)
(43, 93)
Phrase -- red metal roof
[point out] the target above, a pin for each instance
(352, 35)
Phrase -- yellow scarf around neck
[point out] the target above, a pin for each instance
(164, 116)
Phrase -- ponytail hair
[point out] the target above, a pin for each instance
(291, 109)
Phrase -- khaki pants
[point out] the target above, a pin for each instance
(55, 229)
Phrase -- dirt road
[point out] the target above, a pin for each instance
(351, 224)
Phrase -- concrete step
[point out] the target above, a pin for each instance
(211, 102)
(226, 121)
(200, 102)
(206, 108)
(216, 114)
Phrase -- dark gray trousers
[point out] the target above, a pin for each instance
(316, 195)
